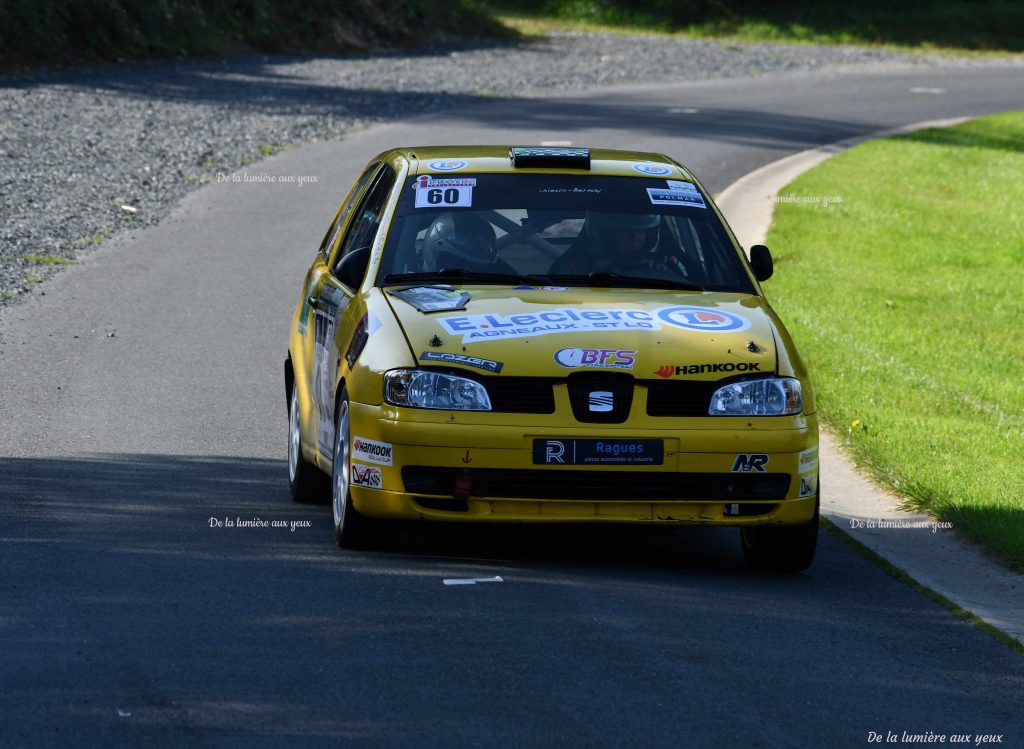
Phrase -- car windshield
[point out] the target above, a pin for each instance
(560, 229)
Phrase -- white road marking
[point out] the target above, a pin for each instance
(552, 143)
(683, 110)
(472, 580)
(924, 90)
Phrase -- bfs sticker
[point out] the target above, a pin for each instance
(444, 193)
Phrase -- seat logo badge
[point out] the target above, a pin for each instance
(600, 401)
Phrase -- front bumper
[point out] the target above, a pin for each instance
(441, 465)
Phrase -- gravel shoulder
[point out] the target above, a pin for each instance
(90, 153)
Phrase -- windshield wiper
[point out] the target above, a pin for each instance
(611, 279)
(461, 274)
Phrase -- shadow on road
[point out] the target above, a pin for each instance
(226, 507)
(278, 86)
(126, 619)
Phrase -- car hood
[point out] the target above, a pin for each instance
(552, 332)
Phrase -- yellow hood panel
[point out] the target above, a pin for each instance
(554, 332)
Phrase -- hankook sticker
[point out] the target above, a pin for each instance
(669, 370)
(372, 451)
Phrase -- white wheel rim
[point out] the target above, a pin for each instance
(293, 437)
(340, 468)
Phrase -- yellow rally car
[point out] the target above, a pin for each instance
(547, 335)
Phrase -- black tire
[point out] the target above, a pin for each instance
(785, 549)
(352, 530)
(307, 483)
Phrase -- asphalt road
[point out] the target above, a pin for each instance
(142, 395)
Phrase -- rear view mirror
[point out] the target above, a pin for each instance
(352, 268)
(761, 262)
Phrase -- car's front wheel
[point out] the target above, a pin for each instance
(787, 549)
(351, 529)
(306, 483)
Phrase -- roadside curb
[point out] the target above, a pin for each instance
(927, 552)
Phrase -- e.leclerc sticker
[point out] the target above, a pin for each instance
(447, 165)
(474, 328)
(701, 318)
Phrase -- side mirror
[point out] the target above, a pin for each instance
(352, 268)
(761, 262)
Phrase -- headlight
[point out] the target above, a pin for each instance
(419, 388)
(774, 397)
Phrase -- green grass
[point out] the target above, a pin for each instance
(269, 149)
(47, 260)
(907, 302)
(940, 25)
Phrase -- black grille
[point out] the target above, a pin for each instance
(582, 389)
(679, 397)
(619, 486)
(524, 395)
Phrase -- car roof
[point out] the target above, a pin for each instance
(496, 159)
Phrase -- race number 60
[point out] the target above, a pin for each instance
(444, 197)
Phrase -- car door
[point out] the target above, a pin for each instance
(305, 359)
(337, 322)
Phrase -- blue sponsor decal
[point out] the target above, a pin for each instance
(447, 165)
(702, 318)
(654, 170)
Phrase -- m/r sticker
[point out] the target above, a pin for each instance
(750, 462)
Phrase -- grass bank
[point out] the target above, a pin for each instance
(63, 32)
(900, 271)
(977, 25)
